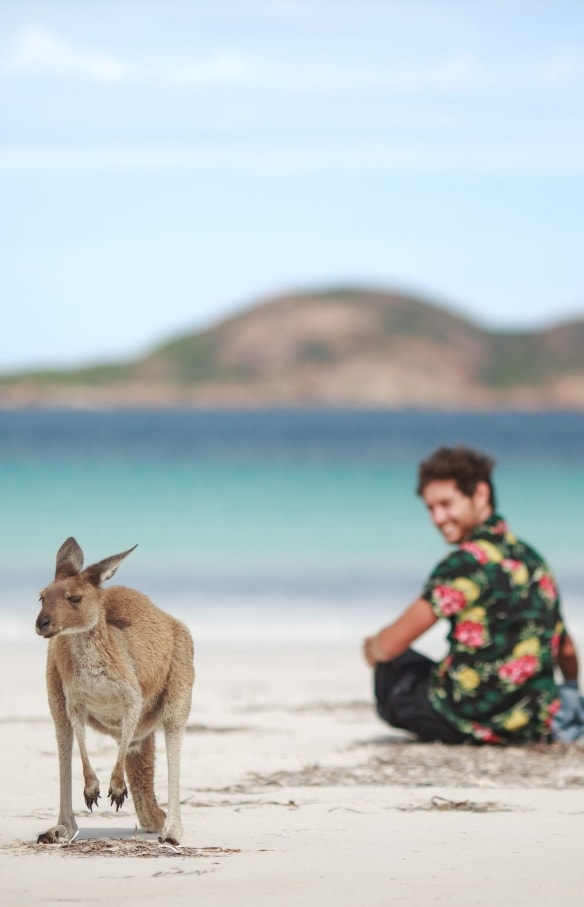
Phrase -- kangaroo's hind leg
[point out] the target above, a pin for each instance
(140, 771)
(179, 688)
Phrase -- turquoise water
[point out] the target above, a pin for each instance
(269, 526)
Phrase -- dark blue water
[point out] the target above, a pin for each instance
(290, 435)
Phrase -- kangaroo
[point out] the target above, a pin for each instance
(124, 667)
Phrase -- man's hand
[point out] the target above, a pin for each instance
(373, 651)
(394, 639)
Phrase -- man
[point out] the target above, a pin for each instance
(496, 684)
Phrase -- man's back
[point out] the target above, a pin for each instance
(497, 682)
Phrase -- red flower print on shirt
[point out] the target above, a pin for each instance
(519, 670)
(485, 734)
(510, 564)
(548, 587)
(477, 552)
(449, 600)
(470, 633)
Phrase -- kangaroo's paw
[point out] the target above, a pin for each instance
(117, 797)
(58, 834)
(171, 833)
(92, 795)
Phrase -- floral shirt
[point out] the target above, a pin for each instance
(497, 682)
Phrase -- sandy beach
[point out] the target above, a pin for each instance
(294, 793)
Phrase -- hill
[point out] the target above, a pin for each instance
(343, 347)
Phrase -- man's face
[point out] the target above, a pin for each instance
(454, 513)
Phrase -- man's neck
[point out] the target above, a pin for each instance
(483, 517)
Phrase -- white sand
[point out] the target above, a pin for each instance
(288, 773)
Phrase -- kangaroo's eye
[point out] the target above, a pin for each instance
(74, 599)
(41, 599)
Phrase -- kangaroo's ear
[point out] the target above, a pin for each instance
(69, 558)
(103, 570)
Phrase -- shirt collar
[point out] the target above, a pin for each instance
(494, 527)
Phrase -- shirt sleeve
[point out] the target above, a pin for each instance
(453, 585)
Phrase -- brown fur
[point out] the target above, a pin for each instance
(119, 664)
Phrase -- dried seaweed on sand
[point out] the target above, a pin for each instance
(443, 804)
(407, 764)
(126, 847)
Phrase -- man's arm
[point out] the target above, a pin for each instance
(394, 639)
(568, 659)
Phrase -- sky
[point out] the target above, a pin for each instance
(166, 163)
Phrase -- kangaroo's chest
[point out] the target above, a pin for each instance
(94, 690)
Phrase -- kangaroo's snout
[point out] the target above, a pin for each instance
(43, 625)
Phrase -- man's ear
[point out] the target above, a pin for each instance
(482, 494)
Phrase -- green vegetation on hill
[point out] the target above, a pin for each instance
(342, 346)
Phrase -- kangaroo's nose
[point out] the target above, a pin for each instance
(42, 624)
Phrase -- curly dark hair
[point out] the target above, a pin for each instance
(465, 466)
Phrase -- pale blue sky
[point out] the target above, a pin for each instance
(166, 162)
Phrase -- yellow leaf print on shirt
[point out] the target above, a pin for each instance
(469, 589)
(529, 646)
(468, 679)
(519, 574)
(477, 614)
(516, 720)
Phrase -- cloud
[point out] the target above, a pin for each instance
(150, 159)
(497, 159)
(40, 52)
(456, 73)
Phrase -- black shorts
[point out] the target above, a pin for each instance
(401, 694)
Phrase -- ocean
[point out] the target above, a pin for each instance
(269, 527)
